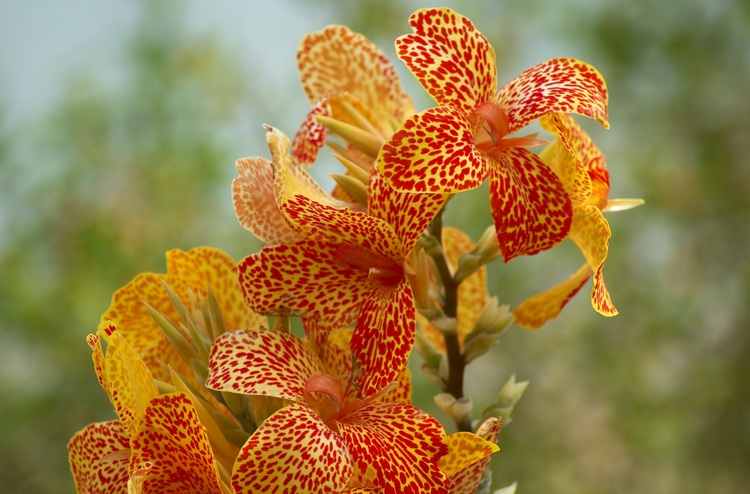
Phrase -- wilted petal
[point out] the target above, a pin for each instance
(303, 279)
(339, 60)
(171, 453)
(531, 210)
(292, 451)
(396, 446)
(433, 152)
(560, 85)
(383, 337)
(470, 449)
(408, 214)
(535, 311)
(98, 456)
(270, 363)
(451, 59)
(255, 202)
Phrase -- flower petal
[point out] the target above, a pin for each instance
(292, 451)
(383, 337)
(600, 298)
(530, 208)
(568, 153)
(204, 267)
(255, 202)
(433, 152)
(339, 60)
(98, 456)
(311, 136)
(264, 362)
(560, 85)
(303, 279)
(408, 214)
(470, 449)
(451, 59)
(172, 453)
(395, 446)
(535, 311)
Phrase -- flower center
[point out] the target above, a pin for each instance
(381, 269)
(324, 395)
(494, 127)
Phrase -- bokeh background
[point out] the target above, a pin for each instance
(119, 125)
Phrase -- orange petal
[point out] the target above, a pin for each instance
(98, 456)
(540, 308)
(292, 451)
(395, 446)
(433, 152)
(560, 85)
(303, 279)
(530, 208)
(172, 452)
(465, 448)
(204, 267)
(338, 60)
(311, 136)
(264, 362)
(408, 214)
(383, 337)
(255, 202)
(451, 59)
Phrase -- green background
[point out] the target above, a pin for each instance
(122, 147)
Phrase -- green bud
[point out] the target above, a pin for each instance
(458, 409)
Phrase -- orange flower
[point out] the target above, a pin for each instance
(457, 145)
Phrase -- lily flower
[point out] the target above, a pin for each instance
(327, 439)
(582, 169)
(457, 145)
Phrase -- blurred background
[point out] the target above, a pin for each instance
(119, 125)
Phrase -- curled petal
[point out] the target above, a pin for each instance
(270, 363)
(568, 156)
(383, 337)
(433, 152)
(98, 456)
(451, 59)
(303, 279)
(255, 202)
(531, 210)
(591, 232)
(465, 480)
(311, 136)
(396, 446)
(600, 298)
(535, 311)
(292, 451)
(560, 85)
(172, 453)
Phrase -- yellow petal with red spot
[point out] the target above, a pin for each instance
(383, 337)
(530, 208)
(560, 85)
(395, 446)
(270, 363)
(292, 451)
(337, 60)
(303, 279)
(600, 298)
(98, 456)
(311, 136)
(535, 311)
(171, 453)
(451, 59)
(567, 155)
(463, 447)
(255, 202)
(591, 232)
(433, 152)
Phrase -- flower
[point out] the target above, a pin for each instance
(582, 170)
(328, 440)
(158, 444)
(457, 145)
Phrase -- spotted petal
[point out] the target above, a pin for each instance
(383, 337)
(292, 451)
(469, 456)
(568, 154)
(531, 210)
(542, 307)
(451, 59)
(304, 279)
(270, 363)
(172, 452)
(433, 152)
(591, 232)
(311, 136)
(560, 85)
(396, 446)
(98, 456)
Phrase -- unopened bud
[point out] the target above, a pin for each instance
(356, 189)
(494, 318)
(486, 249)
(433, 376)
(458, 409)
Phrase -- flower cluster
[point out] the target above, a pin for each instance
(287, 371)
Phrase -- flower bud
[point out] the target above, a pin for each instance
(458, 409)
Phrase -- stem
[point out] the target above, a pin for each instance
(456, 362)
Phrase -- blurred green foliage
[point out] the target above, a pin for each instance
(655, 400)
